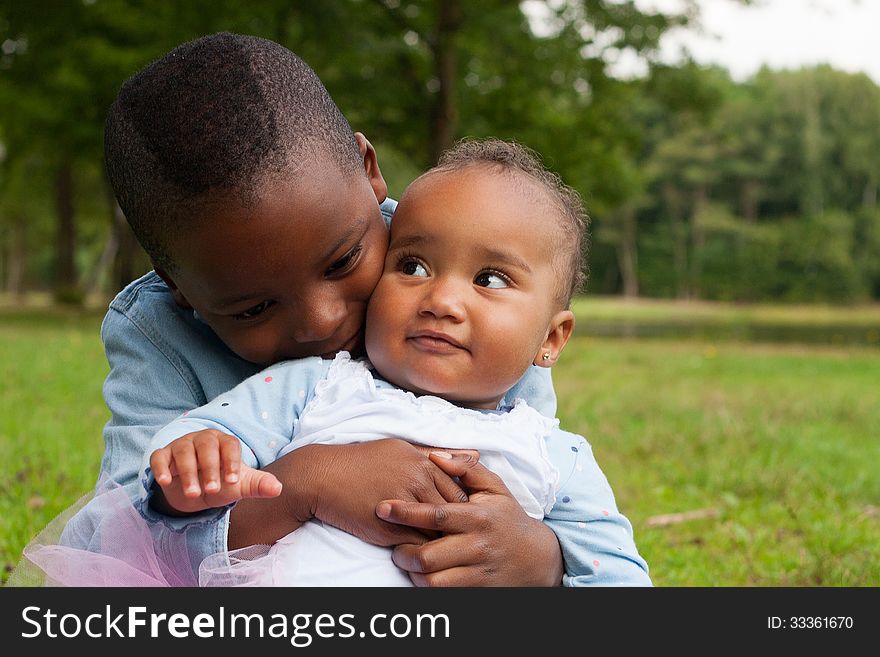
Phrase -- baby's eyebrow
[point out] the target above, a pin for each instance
(505, 258)
(490, 255)
(410, 240)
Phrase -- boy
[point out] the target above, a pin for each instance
(266, 221)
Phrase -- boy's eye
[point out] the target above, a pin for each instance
(414, 268)
(492, 280)
(344, 263)
(254, 311)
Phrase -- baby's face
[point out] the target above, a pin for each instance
(290, 277)
(468, 291)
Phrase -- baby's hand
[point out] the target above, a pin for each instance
(203, 470)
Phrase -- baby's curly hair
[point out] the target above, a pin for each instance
(512, 157)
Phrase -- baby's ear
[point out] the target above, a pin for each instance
(558, 332)
(176, 294)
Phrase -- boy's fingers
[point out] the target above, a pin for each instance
(258, 483)
(184, 456)
(448, 489)
(230, 458)
(441, 554)
(475, 476)
(445, 518)
(454, 463)
(208, 463)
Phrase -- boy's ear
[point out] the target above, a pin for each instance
(179, 299)
(371, 167)
(560, 330)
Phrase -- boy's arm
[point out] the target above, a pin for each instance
(596, 539)
(341, 486)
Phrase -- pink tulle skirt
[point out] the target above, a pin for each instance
(108, 545)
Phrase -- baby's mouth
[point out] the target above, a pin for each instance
(436, 341)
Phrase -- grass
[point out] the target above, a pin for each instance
(775, 447)
(51, 415)
(778, 446)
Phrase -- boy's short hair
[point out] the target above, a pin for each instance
(572, 240)
(219, 116)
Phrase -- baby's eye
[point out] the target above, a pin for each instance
(254, 311)
(491, 280)
(414, 268)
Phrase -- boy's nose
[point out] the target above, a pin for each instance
(319, 321)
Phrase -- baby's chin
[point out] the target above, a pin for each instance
(449, 390)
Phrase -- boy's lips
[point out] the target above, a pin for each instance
(435, 342)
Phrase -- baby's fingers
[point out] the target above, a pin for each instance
(230, 458)
(208, 459)
(258, 483)
(160, 464)
(183, 455)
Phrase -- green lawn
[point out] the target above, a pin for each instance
(777, 446)
(774, 447)
(51, 415)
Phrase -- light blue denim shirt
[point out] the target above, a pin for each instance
(164, 361)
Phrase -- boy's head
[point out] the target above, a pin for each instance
(251, 194)
(486, 251)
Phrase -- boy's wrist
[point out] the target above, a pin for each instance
(553, 550)
(264, 521)
(299, 474)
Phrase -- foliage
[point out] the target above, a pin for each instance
(697, 186)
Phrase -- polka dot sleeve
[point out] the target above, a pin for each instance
(596, 539)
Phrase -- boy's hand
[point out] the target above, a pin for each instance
(203, 470)
(358, 476)
(490, 541)
(341, 485)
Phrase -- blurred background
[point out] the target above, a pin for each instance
(726, 369)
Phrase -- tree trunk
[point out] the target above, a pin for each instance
(66, 289)
(698, 241)
(869, 195)
(444, 109)
(627, 253)
(748, 200)
(679, 241)
(16, 264)
(813, 190)
(95, 281)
